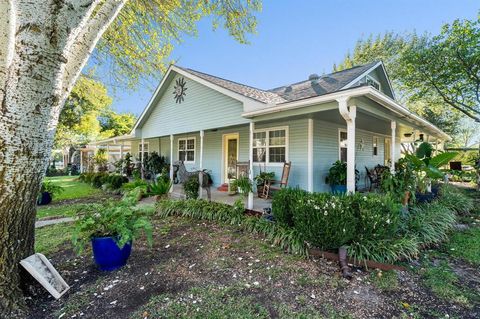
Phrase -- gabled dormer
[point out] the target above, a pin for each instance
(376, 76)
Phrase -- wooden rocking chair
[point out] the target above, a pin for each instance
(282, 183)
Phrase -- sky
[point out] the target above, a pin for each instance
(296, 38)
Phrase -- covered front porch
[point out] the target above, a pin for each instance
(223, 197)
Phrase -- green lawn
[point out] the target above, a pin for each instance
(48, 239)
(72, 188)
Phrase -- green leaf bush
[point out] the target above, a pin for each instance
(191, 187)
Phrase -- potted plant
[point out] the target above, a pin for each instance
(261, 179)
(244, 185)
(111, 229)
(337, 177)
(47, 191)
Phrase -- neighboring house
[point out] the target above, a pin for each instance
(209, 122)
(116, 148)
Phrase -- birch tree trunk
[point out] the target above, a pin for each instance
(44, 46)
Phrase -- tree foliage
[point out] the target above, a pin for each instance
(137, 45)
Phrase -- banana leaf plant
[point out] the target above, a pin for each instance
(427, 166)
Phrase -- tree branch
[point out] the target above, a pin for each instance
(85, 42)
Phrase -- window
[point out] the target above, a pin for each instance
(387, 151)
(372, 82)
(342, 145)
(270, 145)
(143, 148)
(186, 149)
(375, 146)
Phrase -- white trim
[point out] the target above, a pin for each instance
(341, 130)
(202, 135)
(171, 162)
(224, 153)
(144, 143)
(194, 138)
(173, 68)
(310, 155)
(361, 76)
(368, 77)
(267, 145)
(367, 91)
(393, 126)
(250, 159)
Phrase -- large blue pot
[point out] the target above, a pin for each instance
(44, 199)
(339, 189)
(108, 256)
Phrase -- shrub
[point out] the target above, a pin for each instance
(325, 220)
(430, 223)
(160, 187)
(453, 198)
(283, 204)
(99, 179)
(137, 182)
(378, 216)
(384, 250)
(115, 181)
(191, 187)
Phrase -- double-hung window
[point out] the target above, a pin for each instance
(186, 149)
(270, 146)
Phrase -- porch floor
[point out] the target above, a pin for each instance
(222, 197)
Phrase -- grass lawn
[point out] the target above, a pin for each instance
(49, 239)
(73, 189)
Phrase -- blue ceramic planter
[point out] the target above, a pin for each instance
(339, 189)
(108, 256)
(44, 199)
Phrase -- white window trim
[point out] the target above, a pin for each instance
(141, 145)
(194, 148)
(373, 80)
(267, 145)
(341, 130)
(373, 145)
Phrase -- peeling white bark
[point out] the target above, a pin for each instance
(43, 47)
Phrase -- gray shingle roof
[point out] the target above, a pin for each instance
(325, 84)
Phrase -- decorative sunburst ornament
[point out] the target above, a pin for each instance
(179, 91)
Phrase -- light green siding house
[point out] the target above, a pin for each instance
(209, 123)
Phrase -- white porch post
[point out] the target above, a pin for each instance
(200, 178)
(108, 156)
(121, 158)
(171, 162)
(250, 160)
(141, 157)
(81, 161)
(310, 156)
(393, 125)
(349, 114)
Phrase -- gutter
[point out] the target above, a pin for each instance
(367, 91)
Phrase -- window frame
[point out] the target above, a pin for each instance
(387, 156)
(140, 145)
(368, 77)
(194, 138)
(375, 145)
(340, 131)
(267, 145)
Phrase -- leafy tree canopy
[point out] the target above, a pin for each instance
(137, 45)
(438, 77)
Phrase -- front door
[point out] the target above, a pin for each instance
(230, 146)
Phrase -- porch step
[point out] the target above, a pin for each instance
(223, 188)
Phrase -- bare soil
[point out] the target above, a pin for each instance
(188, 254)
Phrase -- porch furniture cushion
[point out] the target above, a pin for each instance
(282, 183)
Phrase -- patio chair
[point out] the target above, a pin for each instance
(183, 175)
(373, 178)
(282, 183)
(242, 169)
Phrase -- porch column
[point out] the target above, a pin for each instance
(141, 158)
(393, 125)
(349, 114)
(250, 161)
(81, 161)
(310, 156)
(171, 162)
(200, 178)
(121, 158)
(108, 155)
